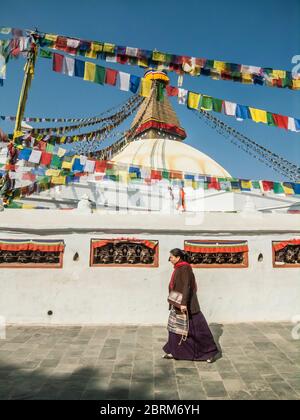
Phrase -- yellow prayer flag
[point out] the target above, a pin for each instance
(53, 172)
(193, 100)
(219, 65)
(258, 115)
(143, 62)
(89, 71)
(296, 84)
(58, 180)
(287, 190)
(91, 54)
(67, 165)
(246, 184)
(95, 49)
(146, 86)
(279, 74)
(50, 37)
(158, 56)
(109, 48)
(246, 78)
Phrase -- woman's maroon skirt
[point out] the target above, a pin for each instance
(200, 344)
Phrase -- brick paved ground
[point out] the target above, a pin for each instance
(259, 361)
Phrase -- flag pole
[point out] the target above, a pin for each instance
(28, 76)
(7, 183)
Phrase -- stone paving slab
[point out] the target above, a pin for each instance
(259, 361)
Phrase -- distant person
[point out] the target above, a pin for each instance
(189, 335)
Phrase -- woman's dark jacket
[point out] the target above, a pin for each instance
(184, 282)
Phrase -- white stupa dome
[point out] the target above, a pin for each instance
(171, 155)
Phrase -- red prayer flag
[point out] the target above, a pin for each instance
(111, 77)
(122, 59)
(100, 165)
(213, 183)
(268, 185)
(172, 90)
(281, 121)
(61, 43)
(28, 176)
(46, 158)
(156, 174)
(58, 62)
(277, 83)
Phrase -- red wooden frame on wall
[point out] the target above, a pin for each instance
(33, 245)
(232, 246)
(101, 242)
(276, 245)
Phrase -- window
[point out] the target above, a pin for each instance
(286, 253)
(217, 254)
(124, 252)
(26, 253)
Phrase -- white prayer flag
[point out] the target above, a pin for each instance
(230, 108)
(68, 66)
(89, 166)
(2, 67)
(182, 96)
(292, 125)
(111, 59)
(132, 52)
(35, 156)
(73, 43)
(61, 152)
(124, 81)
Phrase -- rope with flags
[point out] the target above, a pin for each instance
(180, 64)
(37, 141)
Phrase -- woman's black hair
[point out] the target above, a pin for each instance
(177, 252)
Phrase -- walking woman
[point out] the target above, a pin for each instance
(189, 335)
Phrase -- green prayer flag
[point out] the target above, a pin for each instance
(209, 64)
(270, 119)
(285, 82)
(46, 54)
(217, 104)
(206, 103)
(55, 162)
(100, 75)
(256, 185)
(160, 92)
(278, 188)
(49, 148)
(165, 174)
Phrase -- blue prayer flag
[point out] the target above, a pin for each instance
(242, 112)
(134, 83)
(79, 68)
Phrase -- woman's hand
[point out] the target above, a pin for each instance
(183, 308)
